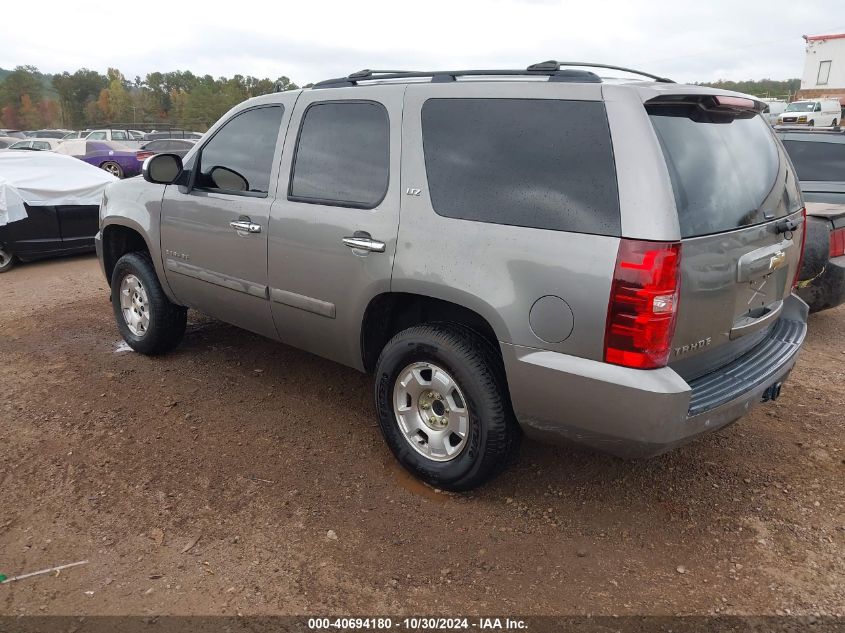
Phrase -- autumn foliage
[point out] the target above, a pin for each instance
(32, 100)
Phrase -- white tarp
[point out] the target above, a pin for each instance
(45, 179)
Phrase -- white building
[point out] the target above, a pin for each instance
(824, 67)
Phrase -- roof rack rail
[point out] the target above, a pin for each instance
(438, 76)
(555, 65)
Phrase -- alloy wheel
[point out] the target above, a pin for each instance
(431, 411)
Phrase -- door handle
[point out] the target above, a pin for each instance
(362, 243)
(245, 226)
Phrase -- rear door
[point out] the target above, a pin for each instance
(739, 211)
(333, 227)
(78, 224)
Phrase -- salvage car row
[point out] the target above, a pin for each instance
(115, 157)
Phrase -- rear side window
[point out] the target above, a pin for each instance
(727, 172)
(538, 163)
(245, 145)
(815, 160)
(343, 155)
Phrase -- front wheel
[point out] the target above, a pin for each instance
(835, 123)
(7, 260)
(811, 123)
(113, 168)
(146, 318)
(443, 406)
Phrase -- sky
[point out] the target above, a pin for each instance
(311, 40)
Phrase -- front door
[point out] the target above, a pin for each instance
(214, 231)
(334, 224)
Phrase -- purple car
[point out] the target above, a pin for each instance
(117, 159)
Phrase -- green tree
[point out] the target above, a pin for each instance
(76, 91)
(23, 80)
(119, 100)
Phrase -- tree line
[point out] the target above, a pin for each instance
(775, 88)
(31, 100)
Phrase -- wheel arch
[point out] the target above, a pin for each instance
(389, 313)
(118, 240)
(121, 234)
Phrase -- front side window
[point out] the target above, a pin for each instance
(824, 73)
(117, 135)
(96, 136)
(239, 157)
(539, 163)
(343, 155)
(815, 160)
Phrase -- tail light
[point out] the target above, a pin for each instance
(643, 304)
(143, 155)
(797, 277)
(837, 243)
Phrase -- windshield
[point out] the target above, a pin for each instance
(726, 172)
(801, 106)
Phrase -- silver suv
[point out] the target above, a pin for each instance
(541, 251)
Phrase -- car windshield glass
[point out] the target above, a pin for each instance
(801, 106)
(726, 172)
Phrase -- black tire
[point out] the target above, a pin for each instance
(166, 320)
(113, 168)
(811, 123)
(475, 365)
(834, 123)
(7, 260)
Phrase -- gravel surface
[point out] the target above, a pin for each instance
(238, 475)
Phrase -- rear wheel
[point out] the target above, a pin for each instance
(146, 318)
(113, 168)
(7, 260)
(443, 406)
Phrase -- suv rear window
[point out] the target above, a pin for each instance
(727, 172)
(539, 163)
(817, 160)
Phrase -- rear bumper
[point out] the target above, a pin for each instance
(641, 413)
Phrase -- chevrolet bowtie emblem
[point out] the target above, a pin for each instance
(777, 260)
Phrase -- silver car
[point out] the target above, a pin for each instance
(541, 251)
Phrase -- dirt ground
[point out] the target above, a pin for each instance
(269, 462)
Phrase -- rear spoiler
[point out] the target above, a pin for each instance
(738, 104)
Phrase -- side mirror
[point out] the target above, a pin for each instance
(228, 179)
(162, 169)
